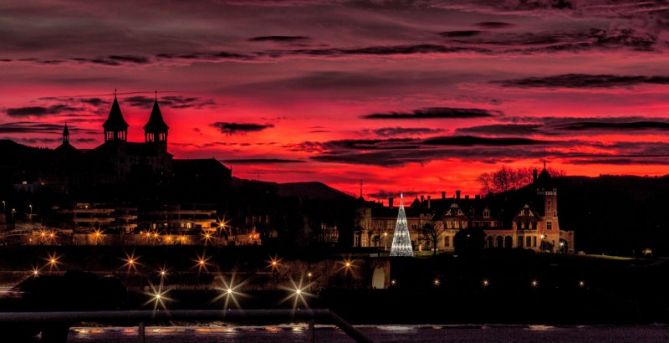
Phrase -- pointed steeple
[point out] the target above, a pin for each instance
(65, 147)
(401, 240)
(66, 134)
(155, 130)
(116, 128)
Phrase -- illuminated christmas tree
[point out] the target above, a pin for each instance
(401, 239)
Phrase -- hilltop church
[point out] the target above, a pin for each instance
(115, 162)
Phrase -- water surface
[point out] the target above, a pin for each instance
(381, 333)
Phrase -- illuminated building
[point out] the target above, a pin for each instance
(527, 223)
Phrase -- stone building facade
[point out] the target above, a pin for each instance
(527, 223)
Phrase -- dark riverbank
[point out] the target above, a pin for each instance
(497, 286)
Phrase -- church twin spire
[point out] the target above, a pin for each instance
(116, 128)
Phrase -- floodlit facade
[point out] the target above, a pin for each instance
(532, 224)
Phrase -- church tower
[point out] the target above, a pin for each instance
(66, 135)
(549, 226)
(155, 130)
(116, 128)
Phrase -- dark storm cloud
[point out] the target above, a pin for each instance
(171, 101)
(277, 38)
(437, 113)
(406, 49)
(457, 41)
(206, 56)
(92, 101)
(397, 151)
(502, 129)
(660, 160)
(565, 126)
(615, 126)
(40, 111)
(240, 128)
(464, 33)
(554, 41)
(32, 127)
(113, 60)
(583, 81)
(400, 157)
(262, 161)
(486, 141)
(402, 131)
(494, 24)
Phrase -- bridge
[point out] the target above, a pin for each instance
(62, 321)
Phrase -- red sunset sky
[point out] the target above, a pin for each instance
(419, 97)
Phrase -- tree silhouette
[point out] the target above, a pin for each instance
(431, 233)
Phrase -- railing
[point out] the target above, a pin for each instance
(310, 316)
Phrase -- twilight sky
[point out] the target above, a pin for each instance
(412, 96)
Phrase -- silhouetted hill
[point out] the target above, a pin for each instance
(312, 190)
(613, 214)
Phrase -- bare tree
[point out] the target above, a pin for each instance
(506, 179)
(431, 233)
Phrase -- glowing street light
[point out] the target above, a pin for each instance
(162, 272)
(97, 235)
(222, 223)
(347, 265)
(35, 272)
(158, 297)
(202, 262)
(274, 263)
(53, 260)
(206, 236)
(485, 283)
(131, 262)
(298, 293)
(230, 291)
(581, 284)
(436, 282)
(535, 283)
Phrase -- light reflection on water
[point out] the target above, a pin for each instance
(378, 333)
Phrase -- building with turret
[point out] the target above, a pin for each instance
(527, 221)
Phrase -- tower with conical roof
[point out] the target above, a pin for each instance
(155, 130)
(66, 134)
(116, 128)
(401, 240)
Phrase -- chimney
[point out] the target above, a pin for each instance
(467, 197)
(443, 195)
(429, 198)
(457, 195)
(390, 202)
(422, 199)
(477, 197)
(534, 175)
